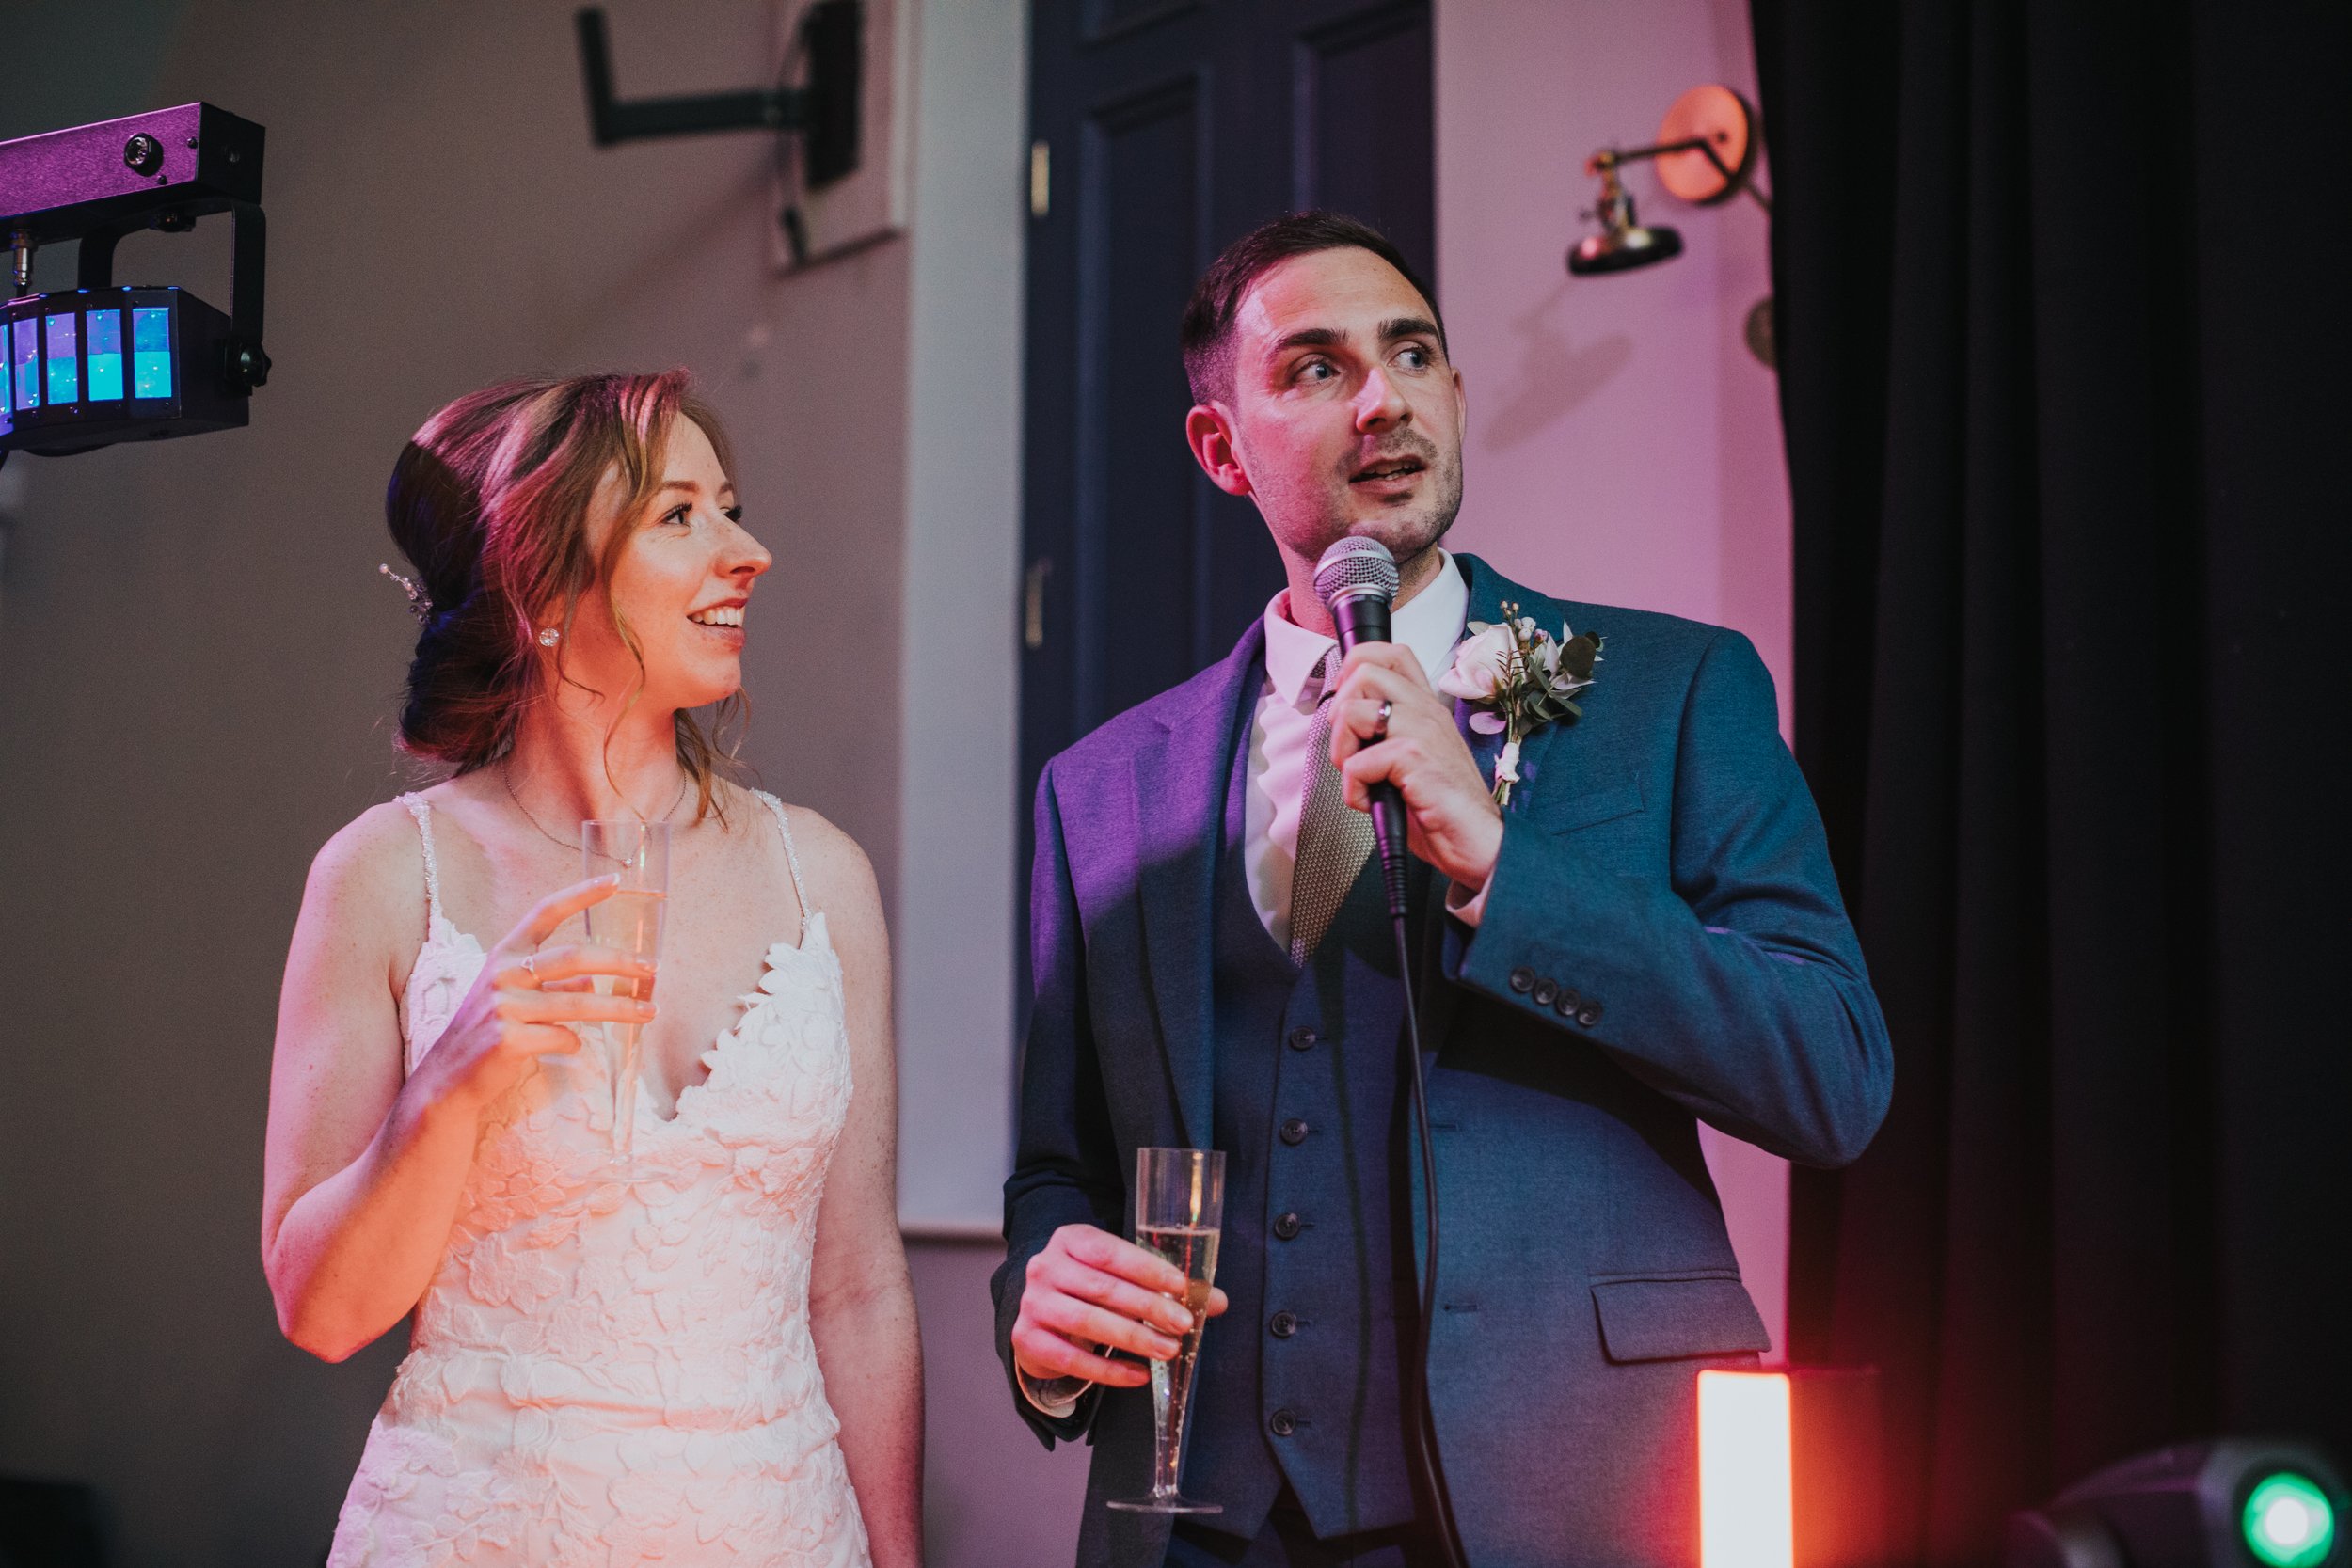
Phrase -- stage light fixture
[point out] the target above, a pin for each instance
(102, 362)
(2233, 1503)
(1790, 1468)
(2289, 1522)
(1746, 1470)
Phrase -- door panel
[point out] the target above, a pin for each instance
(1364, 112)
(1143, 188)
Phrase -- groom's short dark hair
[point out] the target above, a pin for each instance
(1207, 333)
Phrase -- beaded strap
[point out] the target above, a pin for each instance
(421, 809)
(791, 856)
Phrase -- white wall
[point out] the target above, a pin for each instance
(1624, 446)
(959, 716)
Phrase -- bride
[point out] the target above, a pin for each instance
(703, 1352)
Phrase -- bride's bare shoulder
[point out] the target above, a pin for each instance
(840, 878)
(371, 869)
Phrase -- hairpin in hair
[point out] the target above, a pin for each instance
(419, 602)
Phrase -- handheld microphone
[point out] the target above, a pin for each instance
(1357, 581)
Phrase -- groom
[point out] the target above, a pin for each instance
(1647, 936)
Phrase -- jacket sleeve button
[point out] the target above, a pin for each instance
(1567, 1002)
(1589, 1014)
(1545, 991)
(1522, 979)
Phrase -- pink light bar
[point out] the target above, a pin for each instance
(1746, 1513)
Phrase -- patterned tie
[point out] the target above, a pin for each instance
(1334, 839)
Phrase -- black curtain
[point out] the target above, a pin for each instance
(2061, 295)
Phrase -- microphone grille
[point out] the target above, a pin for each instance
(1355, 566)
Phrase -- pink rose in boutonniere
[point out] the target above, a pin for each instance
(1518, 679)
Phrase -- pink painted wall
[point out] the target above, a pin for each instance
(1624, 445)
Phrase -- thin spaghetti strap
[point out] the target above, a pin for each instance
(421, 809)
(791, 856)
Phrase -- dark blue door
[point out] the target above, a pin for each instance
(1164, 130)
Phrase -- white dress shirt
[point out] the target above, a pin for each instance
(1430, 622)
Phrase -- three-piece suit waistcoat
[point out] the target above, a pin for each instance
(1303, 1379)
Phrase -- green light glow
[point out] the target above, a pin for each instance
(2288, 1522)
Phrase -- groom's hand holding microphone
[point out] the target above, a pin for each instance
(1394, 739)
(1090, 1291)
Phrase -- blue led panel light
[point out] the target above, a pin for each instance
(62, 357)
(105, 355)
(151, 353)
(24, 353)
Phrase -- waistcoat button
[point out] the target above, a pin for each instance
(1281, 1423)
(1294, 1131)
(1287, 1226)
(1303, 1039)
(1284, 1324)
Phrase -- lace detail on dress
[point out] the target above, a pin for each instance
(612, 1364)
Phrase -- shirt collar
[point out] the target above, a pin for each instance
(1430, 624)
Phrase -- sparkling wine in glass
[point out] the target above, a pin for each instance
(1180, 1210)
(630, 920)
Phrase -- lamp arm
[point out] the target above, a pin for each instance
(1692, 144)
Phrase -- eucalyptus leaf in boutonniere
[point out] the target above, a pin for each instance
(1518, 679)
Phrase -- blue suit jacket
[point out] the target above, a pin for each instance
(1663, 943)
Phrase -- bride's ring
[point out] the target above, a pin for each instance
(531, 967)
(1380, 730)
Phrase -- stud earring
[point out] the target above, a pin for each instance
(550, 637)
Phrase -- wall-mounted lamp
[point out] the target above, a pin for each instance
(1706, 154)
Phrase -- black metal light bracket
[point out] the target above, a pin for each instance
(824, 109)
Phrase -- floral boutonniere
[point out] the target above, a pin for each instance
(1520, 680)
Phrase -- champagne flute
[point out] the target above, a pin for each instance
(639, 854)
(1179, 1212)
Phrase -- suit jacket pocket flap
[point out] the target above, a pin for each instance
(1660, 1320)
(1588, 808)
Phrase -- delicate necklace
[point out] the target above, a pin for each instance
(506, 777)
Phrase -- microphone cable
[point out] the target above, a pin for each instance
(1428, 1460)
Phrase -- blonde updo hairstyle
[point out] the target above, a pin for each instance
(490, 501)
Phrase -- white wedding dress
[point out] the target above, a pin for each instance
(612, 1364)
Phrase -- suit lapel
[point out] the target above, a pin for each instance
(1181, 776)
(1488, 592)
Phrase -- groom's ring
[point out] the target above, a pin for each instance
(1380, 729)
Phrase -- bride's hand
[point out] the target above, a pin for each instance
(522, 1001)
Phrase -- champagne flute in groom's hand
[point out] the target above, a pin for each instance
(1180, 1214)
